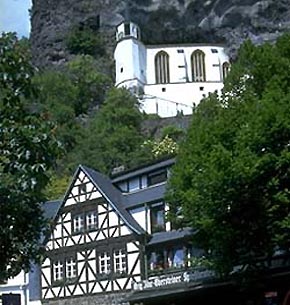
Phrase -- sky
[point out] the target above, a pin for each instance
(14, 17)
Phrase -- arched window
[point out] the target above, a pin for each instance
(162, 68)
(198, 66)
(226, 68)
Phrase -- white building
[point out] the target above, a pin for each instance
(167, 78)
(15, 290)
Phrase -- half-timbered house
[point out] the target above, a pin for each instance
(111, 244)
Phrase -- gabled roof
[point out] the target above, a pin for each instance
(51, 208)
(114, 196)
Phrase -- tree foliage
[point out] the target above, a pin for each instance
(86, 41)
(231, 178)
(28, 149)
(113, 137)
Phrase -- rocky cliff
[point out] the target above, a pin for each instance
(161, 21)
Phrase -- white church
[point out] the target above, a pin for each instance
(167, 79)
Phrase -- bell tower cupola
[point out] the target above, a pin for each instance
(127, 29)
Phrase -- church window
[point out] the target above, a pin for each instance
(58, 271)
(226, 68)
(91, 220)
(120, 261)
(198, 66)
(157, 216)
(78, 223)
(104, 263)
(71, 268)
(162, 67)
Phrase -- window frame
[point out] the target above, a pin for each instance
(120, 254)
(162, 68)
(156, 226)
(198, 68)
(107, 259)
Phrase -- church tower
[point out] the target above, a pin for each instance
(130, 57)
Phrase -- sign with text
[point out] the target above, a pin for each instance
(173, 279)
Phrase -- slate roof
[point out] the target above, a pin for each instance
(142, 170)
(149, 194)
(167, 236)
(51, 208)
(114, 196)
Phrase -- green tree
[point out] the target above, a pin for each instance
(28, 149)
(91, 85)
(113, 137)
(86, 41)
(231, 179)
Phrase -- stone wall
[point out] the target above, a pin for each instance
(97, 299)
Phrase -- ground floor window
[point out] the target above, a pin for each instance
(169, 258)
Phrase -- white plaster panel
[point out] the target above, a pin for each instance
(139, 215)
(104, 283)
(96, 194)
(132, 247)
(113, 219)
(125, 231)
(46, 263)
(102, 209)
(131, 260)
(45, 276)
(49, 294)
(70, 201)
(122, 282)
(78, 291)
(91, 276)
(57, 231)
(96, 289)
(75, 191)
(81, 175)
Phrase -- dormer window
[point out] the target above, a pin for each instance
(157, 177)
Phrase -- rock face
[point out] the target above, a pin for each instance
(161, 21)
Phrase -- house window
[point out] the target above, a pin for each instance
(226, 68)
(198, 66)
(91, 220)
(120, 261)
(157, 177)
(162, 68)
(78, 223)
(168, 258)
(58, 270)
(71, 268)
(104, 263)
(82, 188)
(157, 215)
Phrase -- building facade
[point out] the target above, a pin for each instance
(111, 234)
(111, 244)
(168, 79)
